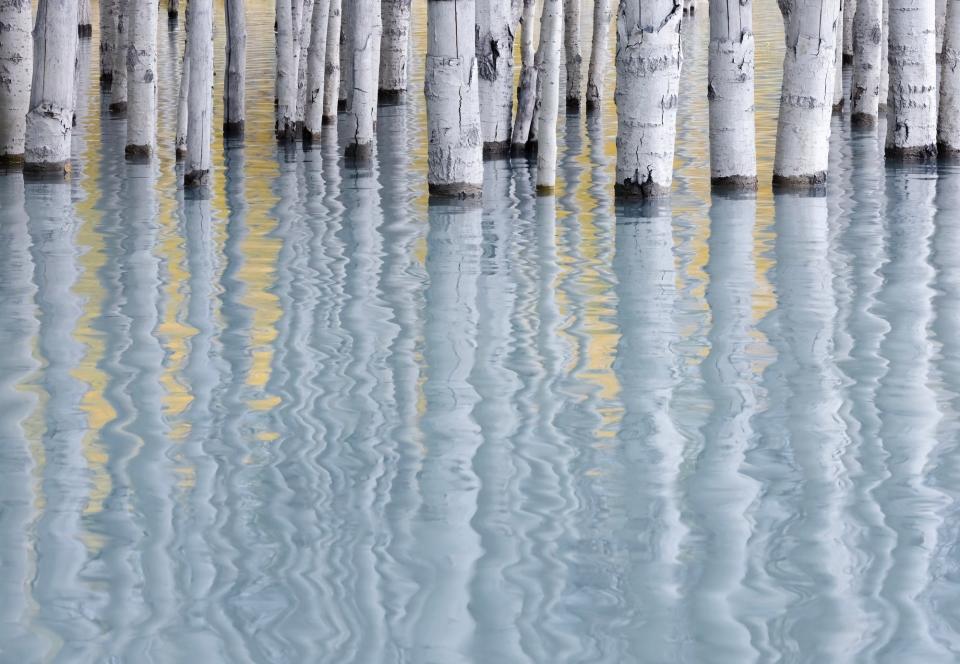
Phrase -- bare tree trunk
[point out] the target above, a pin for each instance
(803, 128)
(304, 21)
(364, 41)
(331, 82)
(495, 66)
(16, 69)
(118, 85)
(884, 59)
(235, 81)
(941, 23)
(49, 120)
(286, 125)
(142, 80)
(574, 58)
(455, 149)
(649, 57)
(348, 8)
(84, 21)
(527, 92)
(173, 9)
(599, 53)
(838, 68)
(316, 69)
(867, 34)
(948, 132)
(912, 111)
(730, 89)
(849, 8)
(108, 33)
(394, 49)
(196, 170)
(183, 101)
(552, 35)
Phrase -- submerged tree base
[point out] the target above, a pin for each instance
(47, 171)
(838, 107)
(814, 183)
(106, 82)
(948, 152)
(917, 154)
(455, 191)
(85, 31)
(138, 153)
(734, 183)
(234, 129)
(181, 154)
(11, 162)
(359, 154)
(648, 189)
(546, 190)
(391, 97)
(196, 178)
(496, 150)
(573, 104)
(863, 121)
(328, 120)
(118, 108)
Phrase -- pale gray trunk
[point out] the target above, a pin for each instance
(316, 69)
(599, 52)
(572, 51)
(364, 28)
(286, 124)
(941, 23)
(803, 127)
(235, 82)
(495, 67)
(118, 85)
(455, 143)
(867, 35)
(394, 48)
(183, 102)
(108, 30)
(348, 8)
(912, 106)
(552, 31)
(304, 23)
(948, 132)
(16, 60)
(730, 89)
(527, 91)
(884, 59)
(849, 11)
(142, 79)
(49, 120)
(84, 20)
(200, 100)
(838, 68)
(649, 57)
(331, 80)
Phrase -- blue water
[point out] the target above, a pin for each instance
(310, 418)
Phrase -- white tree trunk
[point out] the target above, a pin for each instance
(849, 8)
(599, 53)
(363, 26)
(118, 85)
(948, 132)
(552, 34)
(803, 128)
(49, 121)
(316, 69)
(200, 100)
(649, 58)
(527, 92)
(235, 81)
(16, 69)
(867, 34)
(142, 79)
(84, 21)
(286, 125)
(303, 23)
(838, 68)
(394, 48)
(108, 30)
(730, 89)
(941, 23)
(455, 149)
(495, 66)
(884, 59)
(912, 111)
(183, 102)
(331, 82)
(572, 51)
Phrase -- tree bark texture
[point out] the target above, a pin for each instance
(495, 67)
(16, 69)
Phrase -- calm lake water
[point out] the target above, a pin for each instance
(312, 419)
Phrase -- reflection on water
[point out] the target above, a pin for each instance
(309, 418)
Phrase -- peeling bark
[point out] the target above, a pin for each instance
(495, 67)
(394, 49)
(197, 165)
(235, 81)
(16, 69)
(572, 51)
(649, 58)
(552, 33)
(912, 104)
(867, 35)
(142, 79)
(316, 69)
(331, 80)
(599, 53)
(948, 132)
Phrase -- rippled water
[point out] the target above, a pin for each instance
(311, 419)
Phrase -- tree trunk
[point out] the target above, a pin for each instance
(838, 68)
(527, 92)
(849, 8)
(331, 80)
(200, 100)
(455, 149)
(316, 69)
(286, 125)
(649, 57)
(49, 120)
(348, 8)
(867, 34)
(912, 112)
(362, 92)
(574, 58)
(730, 89)
(552, 31)
(142, 79)
(803, 128)
(884, 59)
(941, 23)
(394, 49)
(84, 21)
(303, 23)
(183, 101)
(173, 9)
(108, 33)
(118, 86)
(16, 59)
(235, 81)
(495, 66)
(599, 53)
(948, 132)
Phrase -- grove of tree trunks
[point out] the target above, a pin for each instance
(16, 68)
(495, 67)
(912, 103)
